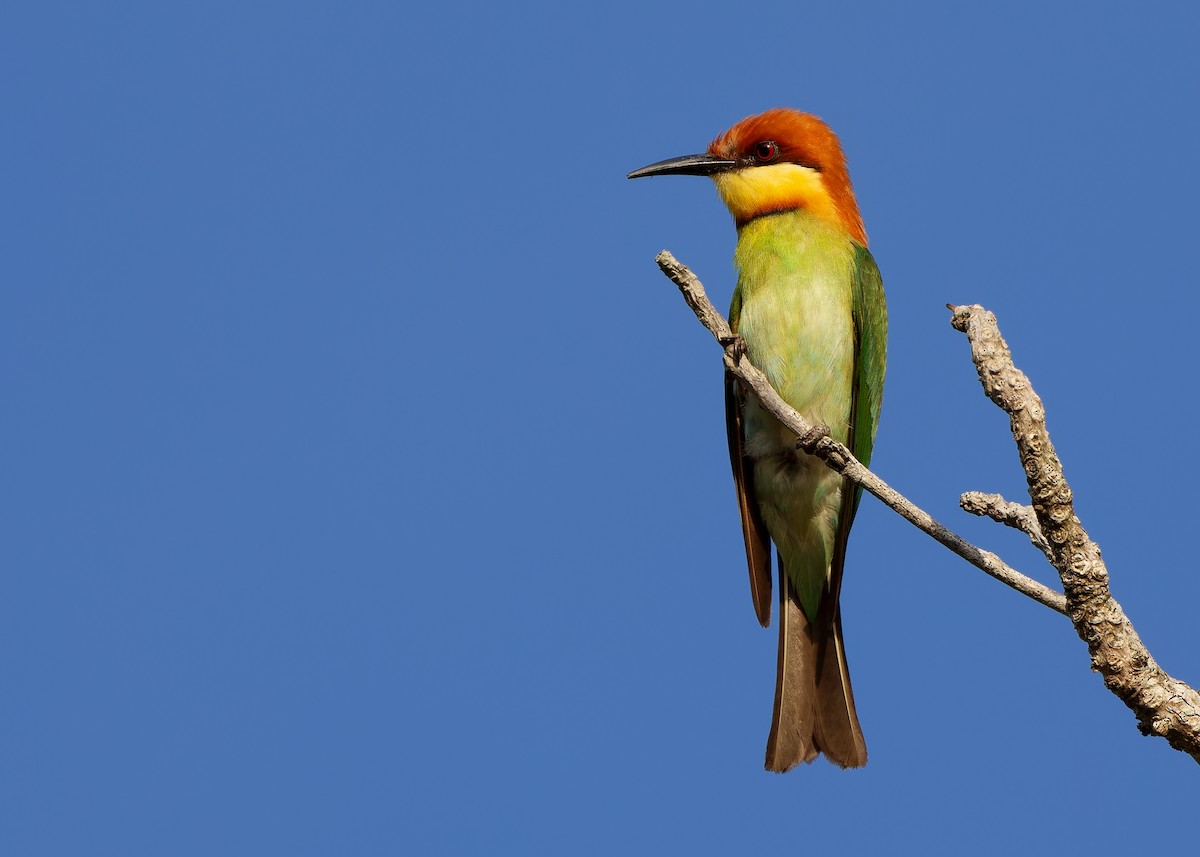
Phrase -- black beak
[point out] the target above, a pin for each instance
(688, 165)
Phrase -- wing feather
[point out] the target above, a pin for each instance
(870, 360)
(754, 530)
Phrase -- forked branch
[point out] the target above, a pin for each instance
(1164, 705)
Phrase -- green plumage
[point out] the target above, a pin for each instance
(809, 305)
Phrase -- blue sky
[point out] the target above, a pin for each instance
(364, 483)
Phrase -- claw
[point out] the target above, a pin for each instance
(811, 437)
(735, 346)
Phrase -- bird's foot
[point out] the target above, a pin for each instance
(734, 346)
(812, 437)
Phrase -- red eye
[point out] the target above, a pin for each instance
(766, 151)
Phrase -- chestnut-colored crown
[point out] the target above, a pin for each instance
(803, 139)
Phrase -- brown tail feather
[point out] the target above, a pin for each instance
(793, 721)
(838, 734)
(814, 705)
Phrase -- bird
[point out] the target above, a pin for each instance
(810, 312)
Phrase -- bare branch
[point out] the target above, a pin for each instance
(815, 440)
(1010, 514)
(1164, 705)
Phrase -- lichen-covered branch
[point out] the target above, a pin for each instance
(1164, 705)
(815, 440)
(1013, 515)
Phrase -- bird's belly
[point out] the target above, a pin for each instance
(803, 341)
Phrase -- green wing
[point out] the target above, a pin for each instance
(870, 329)
(870, 333)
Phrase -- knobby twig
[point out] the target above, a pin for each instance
(1164, 706)
(1010, 514)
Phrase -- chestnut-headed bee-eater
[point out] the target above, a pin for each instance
(809, 306)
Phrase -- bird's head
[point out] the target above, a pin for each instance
(780, 160)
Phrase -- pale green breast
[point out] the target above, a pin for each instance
(793, 308)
